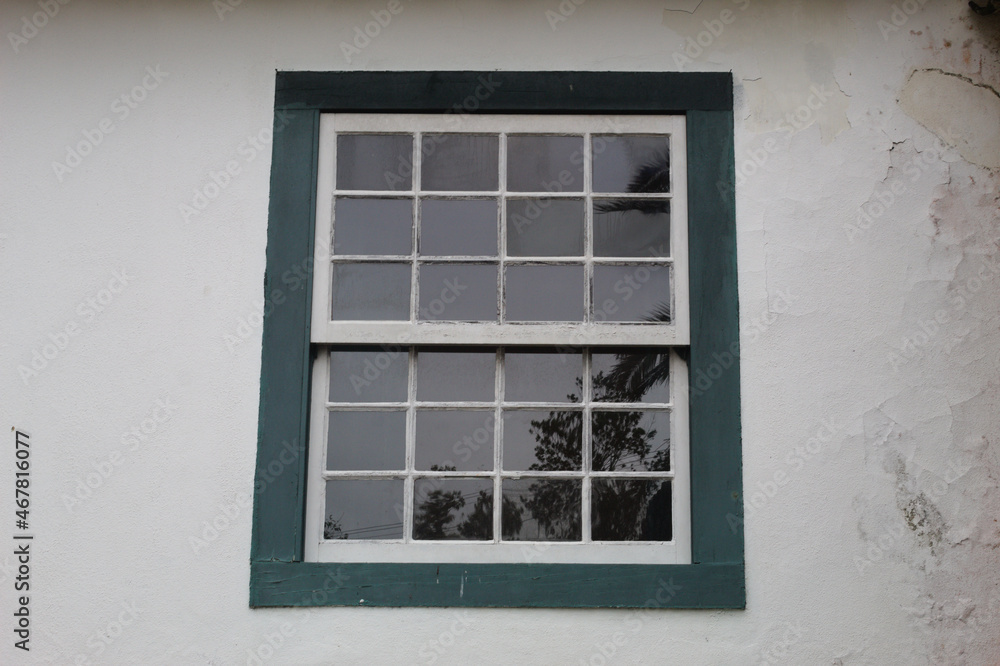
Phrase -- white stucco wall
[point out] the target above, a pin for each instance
(874, 391)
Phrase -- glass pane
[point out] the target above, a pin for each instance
(538, 163)
(458, 292)
(460, 162)
(373, 226)
(363, 509)
(454, 440)
(371, 291)
(631, 163)
(369, 376)
(542, 440)
(630, 375)
(544, 293)
(634, 441)
(631, 228)
(545, 227)
(458, 226)
(375, 162)
(448, 376)
(453, 509)
(366, 441)
(541, 509)
(632, 293)
(541, 377)
(630, 510)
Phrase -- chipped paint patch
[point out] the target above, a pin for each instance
(946, 102)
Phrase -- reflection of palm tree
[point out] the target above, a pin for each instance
(653, 177)
(635, 374)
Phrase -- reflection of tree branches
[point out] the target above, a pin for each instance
(439, 509)
(555, 504)
(333, 530)
(622, 510)
(434, 514)
(479, 524)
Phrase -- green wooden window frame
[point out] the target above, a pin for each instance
(715, 578)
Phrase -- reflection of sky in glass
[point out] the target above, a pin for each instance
(539, 163)
(460, 162)
(372, 226)
(364, 160)
(459, 439)
(371, 291)
(540, 377)
(369, 376)
(545, 293)
(630, 293)
(458, 226)
(545, 227)
(455, 375)
(458, 292)
(364, 509)
(366, 440)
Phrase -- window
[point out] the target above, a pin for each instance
(547, 237)
(489, 355)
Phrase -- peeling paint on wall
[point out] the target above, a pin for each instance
(958, 110)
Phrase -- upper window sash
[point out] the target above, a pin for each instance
(594, 332)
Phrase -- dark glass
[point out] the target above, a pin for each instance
(458, 227)
(453, 509)
(632, 441)
(545, 227)
(460, 162)
(540, 163)
(631, 228)
(366, 441)
(630, 510)
(544, 293)
(630, 375)
(369, 376)
(452, 376)
(371, 291)
(373, 226)
(632, 293)
(631, 163)
(451, 439)
(541, 509)
(375, 162)
(542, 440)
(542, 377)
(458, 292)
(363, 509)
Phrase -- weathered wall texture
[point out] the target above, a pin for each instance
(868, 149)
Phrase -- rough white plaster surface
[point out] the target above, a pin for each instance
(869, 254)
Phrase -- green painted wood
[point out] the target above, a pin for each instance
(510, 92)
(279, 487)
(716, 457)
(716, 580)
(499, 585)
